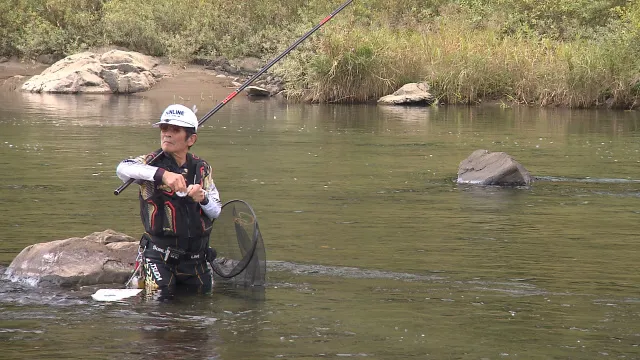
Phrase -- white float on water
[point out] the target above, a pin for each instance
(114, 294)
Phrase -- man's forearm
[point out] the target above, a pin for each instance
(211, 204)
(133, 168)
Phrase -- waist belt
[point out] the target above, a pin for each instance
(172, 241)
(171, 254)
(178, 254)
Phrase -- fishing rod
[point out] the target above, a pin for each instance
(246, 83)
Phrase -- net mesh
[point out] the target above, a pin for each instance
(238, 242)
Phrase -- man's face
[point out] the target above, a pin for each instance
(173, 139)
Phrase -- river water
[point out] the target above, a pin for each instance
(374, 252)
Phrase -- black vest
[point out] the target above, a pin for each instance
(172, 220)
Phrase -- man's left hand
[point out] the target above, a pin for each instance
(196, 192)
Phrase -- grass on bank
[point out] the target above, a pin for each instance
(574, 53)
(466, 62)
(466, 65)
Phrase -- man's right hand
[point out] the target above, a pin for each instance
(175, 181)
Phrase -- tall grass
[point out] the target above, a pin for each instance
(577, 53)
(467, 64)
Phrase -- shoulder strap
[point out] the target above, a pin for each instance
(196, 167)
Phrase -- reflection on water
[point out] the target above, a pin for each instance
(84, 110)
(87, 109)
(374, 250)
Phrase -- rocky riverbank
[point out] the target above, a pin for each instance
(201, 81)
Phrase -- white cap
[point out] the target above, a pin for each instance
(178, 115)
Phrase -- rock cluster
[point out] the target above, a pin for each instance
(115, 71)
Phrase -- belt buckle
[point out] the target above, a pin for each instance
(173, 255)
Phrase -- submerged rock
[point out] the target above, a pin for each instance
(483, 167)
(115, 71)
(99, 258)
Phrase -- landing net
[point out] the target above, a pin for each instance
(237, 239)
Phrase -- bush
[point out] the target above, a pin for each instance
(466, 62)
(10, 24)
(56, 27)
(548, 52)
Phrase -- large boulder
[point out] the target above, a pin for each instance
(483, 167)
(99, 258)
(409, 94)
(115, 71)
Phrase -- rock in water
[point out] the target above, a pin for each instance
(257, 91)
(99, 258)
(483, 167)
(409, 94)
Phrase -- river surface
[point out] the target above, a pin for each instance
(374, 251)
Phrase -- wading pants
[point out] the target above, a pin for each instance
(165, 280)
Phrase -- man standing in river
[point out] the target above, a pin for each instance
(178, 204)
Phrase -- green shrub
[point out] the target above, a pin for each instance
(548, 52)
(57, 26)
(10, 27)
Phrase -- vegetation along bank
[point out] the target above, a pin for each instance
(577, 53)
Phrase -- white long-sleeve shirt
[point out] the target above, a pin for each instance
(149, 175)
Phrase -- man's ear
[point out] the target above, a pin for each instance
(192, 139)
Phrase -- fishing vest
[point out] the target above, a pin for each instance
(172, 220)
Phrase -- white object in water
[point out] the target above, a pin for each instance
(114, 294)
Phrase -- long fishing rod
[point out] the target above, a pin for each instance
(246, 83)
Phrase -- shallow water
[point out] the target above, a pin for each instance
(374, 251)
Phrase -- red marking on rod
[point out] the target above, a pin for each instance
(326, 19)
(230, 97)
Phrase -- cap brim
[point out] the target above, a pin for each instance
(174, 122)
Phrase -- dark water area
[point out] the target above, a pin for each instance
(374, 251)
